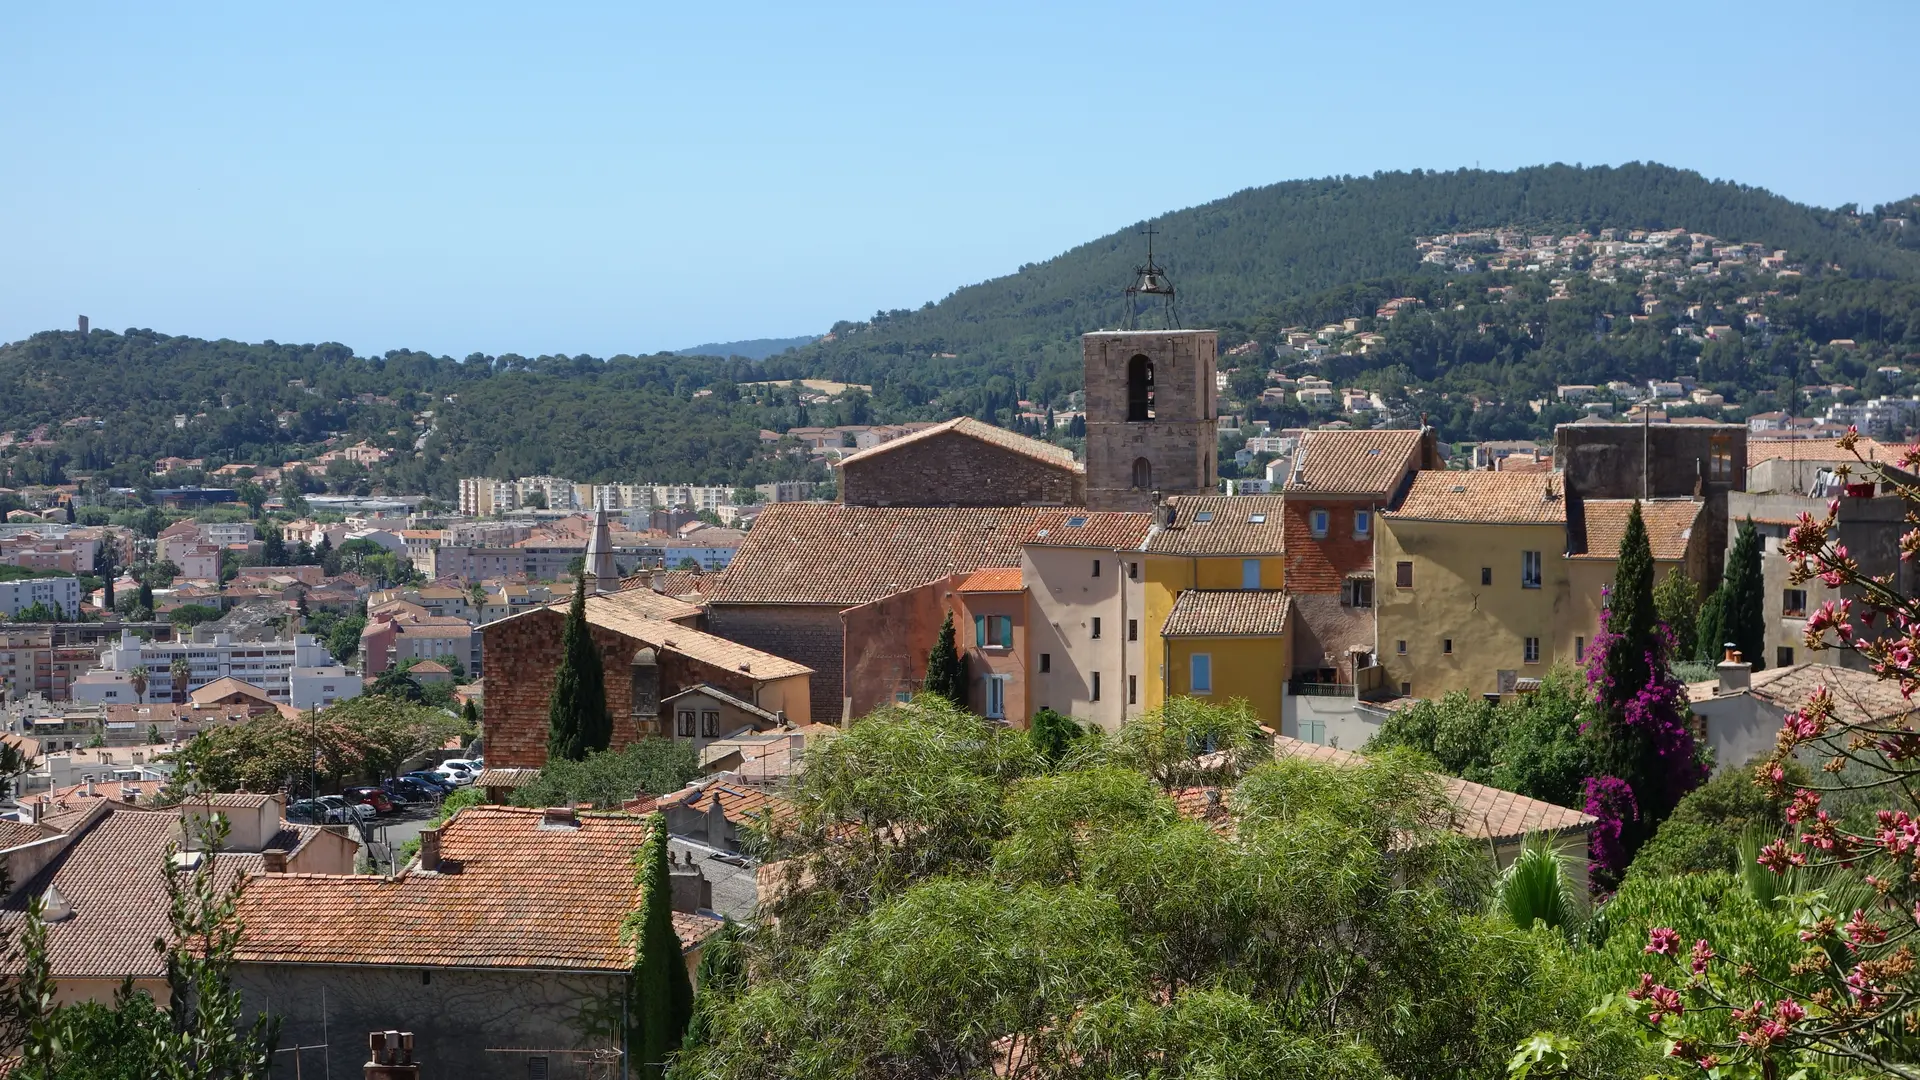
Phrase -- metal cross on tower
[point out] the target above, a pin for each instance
(1151, 280)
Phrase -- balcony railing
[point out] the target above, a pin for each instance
(1322, 689)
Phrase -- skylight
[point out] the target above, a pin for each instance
(1204, 515)
(1076, 522)
(1257, 519)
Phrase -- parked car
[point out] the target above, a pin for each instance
(472, 765)
(457, 776)
(311, 812)
(370, 796)
(412, 790)
(350, 812)
(441, 783)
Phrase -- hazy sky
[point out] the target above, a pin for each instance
(625, 177)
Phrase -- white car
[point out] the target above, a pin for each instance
(472, 765)
(458, 776)
(345, 810)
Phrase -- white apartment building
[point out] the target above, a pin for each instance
(61, 594)
(482, 496)
(265, 664)
(223, 533)
(319, 687)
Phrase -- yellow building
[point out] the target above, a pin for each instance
(1215, 543)
(1230, 643)
(1486, 578)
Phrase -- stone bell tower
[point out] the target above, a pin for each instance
(1150, 416)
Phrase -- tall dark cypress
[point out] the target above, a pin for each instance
(577, 718)
(661, 1000)
(1744, 616)
(946, 670)
(1634, 617)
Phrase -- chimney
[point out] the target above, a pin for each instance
(691, 889)
(560, 817)
(430, 849)
(275, 859)
(1735, 674)
(390, 1056)
(89, 787)
(130, 795)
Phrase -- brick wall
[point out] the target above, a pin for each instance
(886, 644)
(952, 469)
(804, 633)
(1320, 565)
(523, 655)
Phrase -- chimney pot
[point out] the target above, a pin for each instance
(430, 849)
(275, 860)
(1735, 674)
(561, 815)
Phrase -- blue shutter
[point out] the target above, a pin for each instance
(979, 630)
(1006, 631)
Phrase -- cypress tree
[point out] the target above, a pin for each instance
(1633, 615)
(577, 718)
(1744, 615)
(1713, 626)
(660, 998)
(946, 671)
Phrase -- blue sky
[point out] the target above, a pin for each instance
(626, 177)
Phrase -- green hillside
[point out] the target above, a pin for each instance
(1238, 257)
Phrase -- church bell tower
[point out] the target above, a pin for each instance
(1151, 399)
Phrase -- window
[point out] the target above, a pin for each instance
(1406, 689)
(1249, 573)
(537, 1067)
(1400, 646)
(1095, 695)
(1202, 664)
(1133, 629)
(1579, 650)
(686, 723)
(709, 723)
(1142, 474)
(1529, 569)
(1133, 571)
(1362, 524)
(1046, 663)
(1317, 522)
(1133, 689)
(1720, 461)
(1096, 568)
(1313, 731)
(1533, 650)
(1256, 519)
(993, 631)
(1486, 575)
(1793, 604)
(996, 686)
(1096, 628)
(1446, 646)
(902, 696)
(1203, 516)
(1357, 592)
(1403, 575)
(1139, 389)
(1783, 656)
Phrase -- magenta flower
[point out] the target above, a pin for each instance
(1662, 942)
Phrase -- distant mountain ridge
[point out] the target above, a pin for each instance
(751, 349)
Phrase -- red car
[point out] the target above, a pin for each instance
(372, 796)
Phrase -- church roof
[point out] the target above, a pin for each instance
(974, 429)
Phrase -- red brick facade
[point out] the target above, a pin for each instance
(804, 633)
(524, 652)
(1317, 564)
(955, 469)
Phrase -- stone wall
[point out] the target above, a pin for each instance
(1630, 461)
(809, 634)
(1178, 443)
(954, 469)
(526, 653)
(886, 644)
(461, 1019)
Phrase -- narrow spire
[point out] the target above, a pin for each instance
(601, 573)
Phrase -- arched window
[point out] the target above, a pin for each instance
(1142, 474)
(1139, 389)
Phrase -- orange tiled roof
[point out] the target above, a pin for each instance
(740, 804)
(994, 579)
(1502, 498)
(1108, 530)
(1669, 525)
(1354, 462)
(512, 892)
(649, 604)
(111, 876)
(1761, 449)
(15, 834)
(830, 553)
(976, 429)
(226, 686)
(616, 613)
(1228, 613)
(1222, 525)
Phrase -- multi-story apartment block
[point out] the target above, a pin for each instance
(31, 663)
(61, 594)
(482, 496)
(265, 664)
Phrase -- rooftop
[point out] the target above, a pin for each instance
(975, 429)
(1488, 498)
(1107, 530)
(615, 613)
(1669, 525)
(1354, 462)
(1228, 613)
(830, 553)
(1222, 525)
(511, 893)
(1858, 696)
(995, 579)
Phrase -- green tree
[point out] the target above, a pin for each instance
(106, 567)
(577, 719)
(1711, 634)
(254, 496)
(660, 995)
(188, 616)
(140, 678)
(609, 778)
(1677, 599)
(946, 668)
(1744, 607)
(179, 674)
(396, 684)
(1053, 734)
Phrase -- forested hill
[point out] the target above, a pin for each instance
(1234, 258)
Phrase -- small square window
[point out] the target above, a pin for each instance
(1317, 522)
(1783, 656)
(1446, 646)
(1256, 519)
(1403, 575)
(1203, 516)
(1362, 524)
(1406, 689)
(1793, 604)
(1046, 662)
(1486, 575)
(1400, 647)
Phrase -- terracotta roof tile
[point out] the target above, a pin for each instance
(15, 834)
(506, 778)
(1502, 498)
(226, 686)
(975, 429)
(995, 579)
(1669, 525)
(651, 604)
(1858, 696)
(1222, 525)
(739, 803)
(616, 613)
(1228, 613)
(829, 553)
(1107, 530)
(1354, 462)
(1764, 449)
(513, 893)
